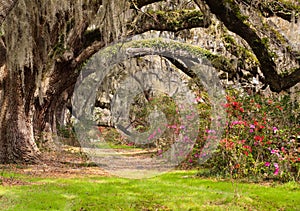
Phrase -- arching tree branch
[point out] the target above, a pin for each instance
(160, 21)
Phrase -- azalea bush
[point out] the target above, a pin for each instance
(140, 118)
(172, 129)
(260, 139)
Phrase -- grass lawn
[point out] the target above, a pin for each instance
(177, 190)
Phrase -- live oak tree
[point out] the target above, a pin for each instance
(44, 44)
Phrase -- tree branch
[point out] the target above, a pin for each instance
(141, 3)
(168, 21)
(87, 53)
(218, 62)
(282, 9)
(291, 80)
(228, 12)
(161, 21)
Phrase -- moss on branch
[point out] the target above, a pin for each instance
(281, 8)
(171, 49)
(169, 21)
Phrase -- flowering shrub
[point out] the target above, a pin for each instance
(260, 140)
(141, 110)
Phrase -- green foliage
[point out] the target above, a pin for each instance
(141, 110)
(231, 45)
(177, 18)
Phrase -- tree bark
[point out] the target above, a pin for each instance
(16, 131)
(5, 8)
(48, 115)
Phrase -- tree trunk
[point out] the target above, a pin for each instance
(24, 121)
(48, 116)
(16, 132)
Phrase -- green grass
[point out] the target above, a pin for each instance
(116, 146)
(171, 191)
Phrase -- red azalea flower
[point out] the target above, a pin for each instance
(247, 149)
(258, 138)
(241, 141)
(279, 107)
(226, 105)
(235, 104)
(100, 129)
(227, 143)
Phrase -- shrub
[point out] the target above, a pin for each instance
(261, 139)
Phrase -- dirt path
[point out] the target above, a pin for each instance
(71, 162)
(64, 163)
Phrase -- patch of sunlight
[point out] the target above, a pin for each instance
(135, 174)
(2, 191)
(69, 196)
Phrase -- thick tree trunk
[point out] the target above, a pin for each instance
(24, 121)
(48, 116)
(16, 132)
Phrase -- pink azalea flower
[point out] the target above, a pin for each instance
(211, 131)
(267, 164)
(199, 99)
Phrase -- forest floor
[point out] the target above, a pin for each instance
(68, 162)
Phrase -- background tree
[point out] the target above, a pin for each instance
(44, 44)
